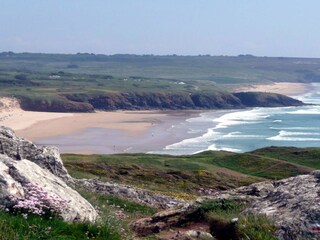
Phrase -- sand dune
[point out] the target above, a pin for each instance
(286, 88)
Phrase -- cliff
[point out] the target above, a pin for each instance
(84, 102)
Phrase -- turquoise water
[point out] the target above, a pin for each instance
(241, 131)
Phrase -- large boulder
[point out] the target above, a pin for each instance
(293, 204)
(22, 163)
(19, 148)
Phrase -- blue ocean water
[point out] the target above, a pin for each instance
(242, 131)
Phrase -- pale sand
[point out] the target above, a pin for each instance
(143, 130)
(11, 115)
(286, 88)
(132, 122)
(35, 125)
(126, 129)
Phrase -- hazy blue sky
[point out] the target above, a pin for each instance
(189, 27)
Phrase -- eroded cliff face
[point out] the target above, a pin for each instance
(156, 101)
(23, 163)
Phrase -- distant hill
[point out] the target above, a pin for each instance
(219, 69)
(84, 82)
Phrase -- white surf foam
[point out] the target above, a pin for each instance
(291, 136)
(239, 135)
(241, 117)
(286, 133)
(314, 110)
(295, 128)
(213, 147)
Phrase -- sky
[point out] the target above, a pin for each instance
(288, 28)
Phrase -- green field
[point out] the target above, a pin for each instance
(219, 69)
(63, 73)
(183, 176)
(84, 82)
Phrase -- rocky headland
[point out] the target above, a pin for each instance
(83, 102)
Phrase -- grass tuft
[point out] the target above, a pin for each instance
(15, 227)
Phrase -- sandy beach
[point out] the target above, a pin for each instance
(286, 88)
(11, 115)
(111, 132)
(123, 129)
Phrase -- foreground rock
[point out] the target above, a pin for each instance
(293, 204)
(19, 148)
(194, 235)
(128, 192)
(23, 163)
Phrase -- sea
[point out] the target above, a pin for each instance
(250, 129)
(228, 130)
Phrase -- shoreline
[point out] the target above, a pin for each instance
(99, 140)
(119, 131)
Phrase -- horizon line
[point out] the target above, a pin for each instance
(154, 55)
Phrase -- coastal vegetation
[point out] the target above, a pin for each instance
(187, 177)
(16, 227)
(207, 173)
(144, 196)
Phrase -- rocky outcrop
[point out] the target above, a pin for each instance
(128, 192)
(213, 100)
(164, 220)
(55, 104)
(15, 175)
(194, 235)
(293, 204)
(22, 163)
(19, 148)
(84, 102)
(263, 99)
